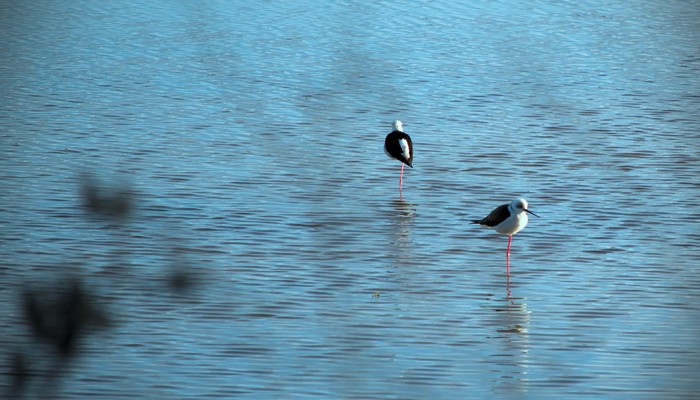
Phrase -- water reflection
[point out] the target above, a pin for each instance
(231, 169)
(399, 246)
(402, 219)
(510, 321)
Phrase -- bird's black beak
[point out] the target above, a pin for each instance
(530, 212)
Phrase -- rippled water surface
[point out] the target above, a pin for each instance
(267, 252)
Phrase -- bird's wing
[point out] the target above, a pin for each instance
(498, 215)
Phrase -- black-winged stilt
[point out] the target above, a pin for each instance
(398, 145)
(507, 219)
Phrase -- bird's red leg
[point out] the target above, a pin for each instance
(510, 238)
(401, 178)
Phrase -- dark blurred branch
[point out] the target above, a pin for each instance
(111, 203)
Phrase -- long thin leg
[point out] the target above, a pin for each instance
(510, 238)
(401, 178)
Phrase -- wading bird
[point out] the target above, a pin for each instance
(508, 219)
(398, 145)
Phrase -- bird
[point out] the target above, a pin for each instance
(508, 219)
(398, 145)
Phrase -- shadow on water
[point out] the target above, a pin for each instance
(63, 312)
(61, 316)
(106, 201)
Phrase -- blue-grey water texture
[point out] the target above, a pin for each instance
(250, 136)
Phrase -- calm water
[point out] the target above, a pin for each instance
(251, 138)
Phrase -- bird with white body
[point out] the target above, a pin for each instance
(508, 219)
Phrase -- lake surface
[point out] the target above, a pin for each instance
(267, 253)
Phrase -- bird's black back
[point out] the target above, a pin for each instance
(393, 148)
(498, 215)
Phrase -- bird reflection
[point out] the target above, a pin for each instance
(403, 215)
(404, 208)
(512, 304)
(508, 293)
(511, 321)
(516, 310)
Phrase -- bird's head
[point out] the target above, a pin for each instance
(520, 205)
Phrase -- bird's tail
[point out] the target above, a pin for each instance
(476, 221)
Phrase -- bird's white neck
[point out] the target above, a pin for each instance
(398, 126)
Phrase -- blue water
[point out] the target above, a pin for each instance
(249, 140)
